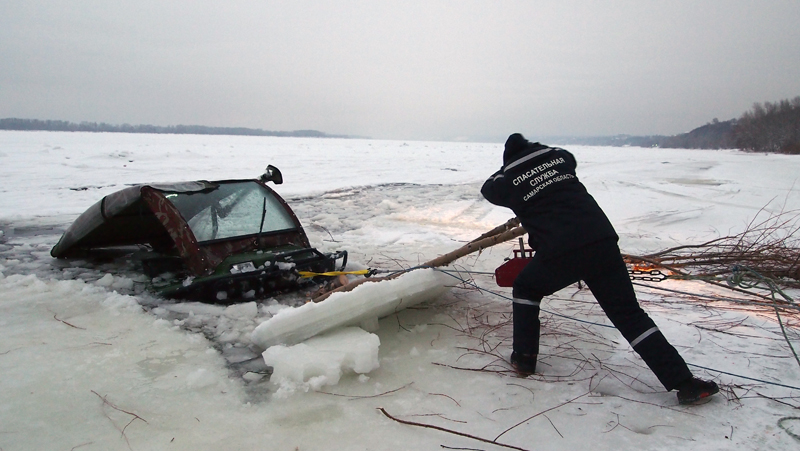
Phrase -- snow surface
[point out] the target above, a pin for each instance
(89, 360)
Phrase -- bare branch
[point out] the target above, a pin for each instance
(449, 431)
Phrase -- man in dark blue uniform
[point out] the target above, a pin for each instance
(574, 240)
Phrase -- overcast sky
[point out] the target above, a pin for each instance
(439, 70)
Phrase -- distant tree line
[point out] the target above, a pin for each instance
(771, 127)
(64, 126)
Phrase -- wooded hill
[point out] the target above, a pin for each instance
(768, 127)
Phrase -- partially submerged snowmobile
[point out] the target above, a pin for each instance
(217, 242)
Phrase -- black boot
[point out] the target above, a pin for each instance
(692, 390)
(525, 364)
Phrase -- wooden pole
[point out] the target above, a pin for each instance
(510, 224)
(499, 234)
(476, 246)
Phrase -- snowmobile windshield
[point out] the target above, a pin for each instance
(232, 210)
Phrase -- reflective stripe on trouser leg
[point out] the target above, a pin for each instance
(668, 366)
(527, 302)
(644, 335)
(526, 326)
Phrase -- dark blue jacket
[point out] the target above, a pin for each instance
(539, 184)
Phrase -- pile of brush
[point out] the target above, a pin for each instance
(769, 247)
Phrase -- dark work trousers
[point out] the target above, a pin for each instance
(600, 265)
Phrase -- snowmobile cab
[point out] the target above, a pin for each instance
(217, 242)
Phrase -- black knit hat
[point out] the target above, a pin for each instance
(514, 144)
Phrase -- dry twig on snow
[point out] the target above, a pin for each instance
(135, 417)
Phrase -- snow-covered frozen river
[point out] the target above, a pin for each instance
(90, 361)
